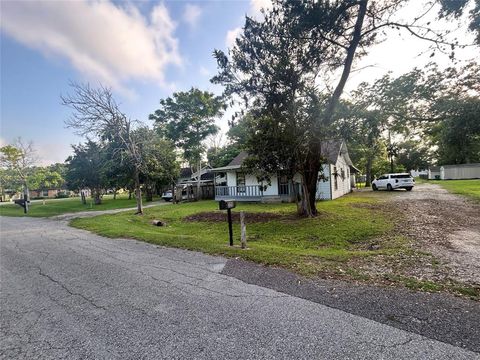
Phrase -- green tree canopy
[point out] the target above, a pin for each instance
(86, 168)
(276, 66)
(188, 118)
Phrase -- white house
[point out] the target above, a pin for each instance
(232, 182)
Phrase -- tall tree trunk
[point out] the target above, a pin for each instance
(199, 178)
(138, 192)
(310, 175)
(296, 196)
(309, 184)
(97, 198)
(26, 191)
(114, 194)
(368, 172)
(174, 194)
(357, 36)
(148, 193)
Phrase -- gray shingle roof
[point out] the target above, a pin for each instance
(330, 150)
(238, 160)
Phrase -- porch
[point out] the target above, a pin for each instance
(252, 193)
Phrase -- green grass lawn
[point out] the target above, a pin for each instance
(54, 207)
(469, 188)
(342, 231)
(337, 243)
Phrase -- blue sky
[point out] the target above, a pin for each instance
(143, 50)
(34, 75)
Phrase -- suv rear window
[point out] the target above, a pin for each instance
(402, 176)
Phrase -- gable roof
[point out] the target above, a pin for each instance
(330, 150)
(236, 163)
(238, 160)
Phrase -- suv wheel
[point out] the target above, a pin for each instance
(374, 187)
(389, 187)
(409, 188)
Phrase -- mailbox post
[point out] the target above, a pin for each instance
(228, 205)
(23, 203)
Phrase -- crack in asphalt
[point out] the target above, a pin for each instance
(64, 287)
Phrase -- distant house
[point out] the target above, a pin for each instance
(419, 173)
(48, 193)
(454, 172)
(187, 183)
(232, 182)
(188, 177)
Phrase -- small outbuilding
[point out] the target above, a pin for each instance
(459, 172)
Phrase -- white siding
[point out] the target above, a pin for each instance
(231, 178)
(344, 185)
(323, 187)
(252, 180)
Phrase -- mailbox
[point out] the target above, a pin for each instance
(23, 203)
(226, 204)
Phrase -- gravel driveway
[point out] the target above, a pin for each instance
(445, 225)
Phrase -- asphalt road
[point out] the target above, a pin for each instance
(66, 293)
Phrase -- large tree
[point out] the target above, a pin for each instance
(388, 108)
(454, 121)
(426, 108)
(86, 168)
(96, 113)
(17, 161)
(44, 178)
(161, 167)
(278, 62)
(188, 118)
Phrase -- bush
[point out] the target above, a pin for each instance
(38, 198)
(61, 196)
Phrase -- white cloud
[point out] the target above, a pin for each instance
(257, 5)
(191, 14)
(204, 71)
(231, 36)
(254, 11)
(105, 42)
(51, 153)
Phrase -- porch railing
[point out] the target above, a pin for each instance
(247, 191)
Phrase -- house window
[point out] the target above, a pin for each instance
(45, 193)
(283, 188)
(335, 178)
(343, 174)
(240, 182)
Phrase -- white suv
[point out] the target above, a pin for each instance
(394, 181)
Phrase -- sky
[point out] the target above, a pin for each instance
(143, 50)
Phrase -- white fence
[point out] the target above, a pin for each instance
(456, 172)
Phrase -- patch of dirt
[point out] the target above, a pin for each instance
(444, 236)
(250, 217)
